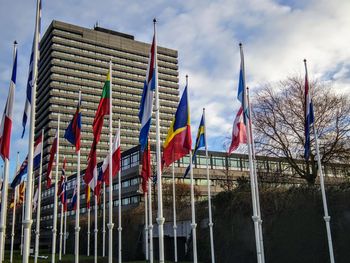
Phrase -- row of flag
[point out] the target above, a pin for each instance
(178, 142)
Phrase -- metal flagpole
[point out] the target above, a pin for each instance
(211, 224)
(65, 232)
(14, 212)
(174, 214)
(61, 234)
(3, 214)
(104, 221)
(27, 222)
(77, 211)
(160, 218)
(119, 208)
(96, 229)
(22, 217)
(37, 229)
(255, 216)
(326, 217)
(146, 227)
(193, 209)
(261, 239)
(54, 223)
(13, 221)
(150, 220)
(193, 223)
(88, 233)
(110, 194)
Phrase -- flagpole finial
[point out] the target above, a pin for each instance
(240, 44)
(154, 20)
(15, 42)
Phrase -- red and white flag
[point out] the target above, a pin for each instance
(116, 159)
(239, 134)
(6, 122)
(91, 173)
(51, 162)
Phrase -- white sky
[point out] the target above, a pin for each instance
(277, 36)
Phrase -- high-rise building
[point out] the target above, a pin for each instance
(74, 58)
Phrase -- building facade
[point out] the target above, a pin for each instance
(74, 58)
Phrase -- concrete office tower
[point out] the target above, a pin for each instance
(74, 58)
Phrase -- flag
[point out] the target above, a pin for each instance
(87, 195)
(309, 117)
(73, 130)
(22, 190)
(242, 91)
(91, 173)
(19, 176)
(146, 105)
(239, 133)
(14, 201)
(62, 186)
(102, 110)
(35, 199)
(73, 200)
(146, 171)
(6, 122)
(30, 80)
(116, 159)
(178, 142)
(51, 161)
(200, 142)
(36, 163)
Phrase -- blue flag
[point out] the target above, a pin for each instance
(30, 81)
(200, 142)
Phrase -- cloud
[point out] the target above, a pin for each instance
(277, 36)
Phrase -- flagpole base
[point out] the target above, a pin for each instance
(160, 220)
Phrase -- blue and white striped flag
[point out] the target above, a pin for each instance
(30, 81)
(149, 87)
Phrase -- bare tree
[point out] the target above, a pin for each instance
(278, 112)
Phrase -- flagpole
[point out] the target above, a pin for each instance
(119, 208)
(211, 224)
(88, 232)
(65, 231)
(27, 222)
(61, 234)
(150, 220)
(193, 209)
(146, 227)
(255, 216)
(174, 214)
(160, 218)
(13, 220)
(326, 217)
(96, 229)
(261, 239)
(5, 181)
(110, 224)
(54, 223)
(77, 211)
(104, 221)
(38, 212)
(14, 212)
(22, 217)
